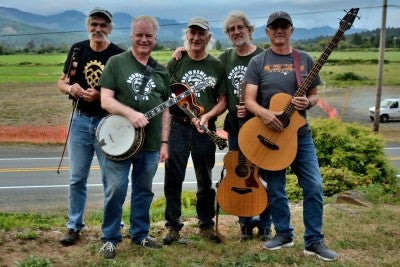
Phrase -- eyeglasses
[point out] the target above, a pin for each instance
(102, 25)
(283, 26)
(239, 28)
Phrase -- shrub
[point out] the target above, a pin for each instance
(350, 156)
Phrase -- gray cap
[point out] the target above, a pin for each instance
(101, 13)
(199, 22)
(279, 15)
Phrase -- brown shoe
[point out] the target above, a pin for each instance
(70, 237)
(210, 234)
(171, 236)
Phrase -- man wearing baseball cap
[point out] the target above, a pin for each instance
(206, 76)
(270, 73)
(82, 70)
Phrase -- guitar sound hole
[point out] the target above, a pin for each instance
(242, 170)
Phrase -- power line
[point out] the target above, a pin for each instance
(178, 23)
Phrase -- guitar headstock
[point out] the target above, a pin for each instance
(347, 21)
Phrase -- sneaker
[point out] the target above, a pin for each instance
(210, 234)
(321, 251)
(264, 234)
(278, 242)
(171, 236)
(108, 250)
(70, 237)
(149, 242)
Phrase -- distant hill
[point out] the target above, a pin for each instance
(17, 28)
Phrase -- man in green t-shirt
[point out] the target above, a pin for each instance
(122, 94)
(239, 31)
(187, 136)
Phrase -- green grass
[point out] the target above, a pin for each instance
(363, 236)
(47, 68)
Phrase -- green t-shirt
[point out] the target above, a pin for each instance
(235, 67)
(124, 74)
(193, 72)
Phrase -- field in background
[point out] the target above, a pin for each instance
(29, 96)
(47, 68)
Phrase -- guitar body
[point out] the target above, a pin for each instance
(187, 102)
(240, 192)
(282, 148)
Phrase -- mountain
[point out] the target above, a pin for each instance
(17, 28)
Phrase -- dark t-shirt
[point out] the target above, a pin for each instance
(235, 68)
(192, 72)
(88, 71)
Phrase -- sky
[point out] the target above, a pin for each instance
(304, 13)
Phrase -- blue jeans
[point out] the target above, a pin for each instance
(81, 147)
(264, 220)
(144, 167)
(306, 168)
(183, 141)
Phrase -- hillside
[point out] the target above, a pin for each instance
(17, 28)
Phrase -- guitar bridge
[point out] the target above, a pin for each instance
(241, 191)
(267, 143)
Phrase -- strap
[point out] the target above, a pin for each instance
(151, 65)
(296, 63)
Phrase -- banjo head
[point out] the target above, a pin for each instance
(115, 135)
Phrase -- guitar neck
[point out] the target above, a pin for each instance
(345, 24)
(221, 143)
(160, 108)
(319, 63)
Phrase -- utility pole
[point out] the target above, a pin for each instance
(380, 67)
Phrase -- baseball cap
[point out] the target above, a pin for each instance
(199, 22)
(279, 15)
(101, 13)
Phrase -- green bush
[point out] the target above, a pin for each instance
(350, 156)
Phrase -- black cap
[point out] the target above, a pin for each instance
(279, 15)
(101, 13)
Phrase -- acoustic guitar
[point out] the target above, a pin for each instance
(240, 192)
(272, 150)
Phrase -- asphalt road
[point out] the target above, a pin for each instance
(29, 179)
(30, 182)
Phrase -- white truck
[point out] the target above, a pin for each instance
(389, 110)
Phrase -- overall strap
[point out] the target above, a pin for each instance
(151, 65)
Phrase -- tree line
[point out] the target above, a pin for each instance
(363, 40)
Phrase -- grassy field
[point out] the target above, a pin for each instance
(362, 236)
(47, 68)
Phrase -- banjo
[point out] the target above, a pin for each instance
(117, 137)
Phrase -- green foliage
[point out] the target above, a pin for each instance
(10, 221)
(348, 76)
(32, 261)
(351, 148)
(27, 235)
(350, 156)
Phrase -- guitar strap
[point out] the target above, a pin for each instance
(296, 63)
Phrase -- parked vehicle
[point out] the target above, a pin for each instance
(389, 110)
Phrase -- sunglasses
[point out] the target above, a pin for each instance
(283, 26)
